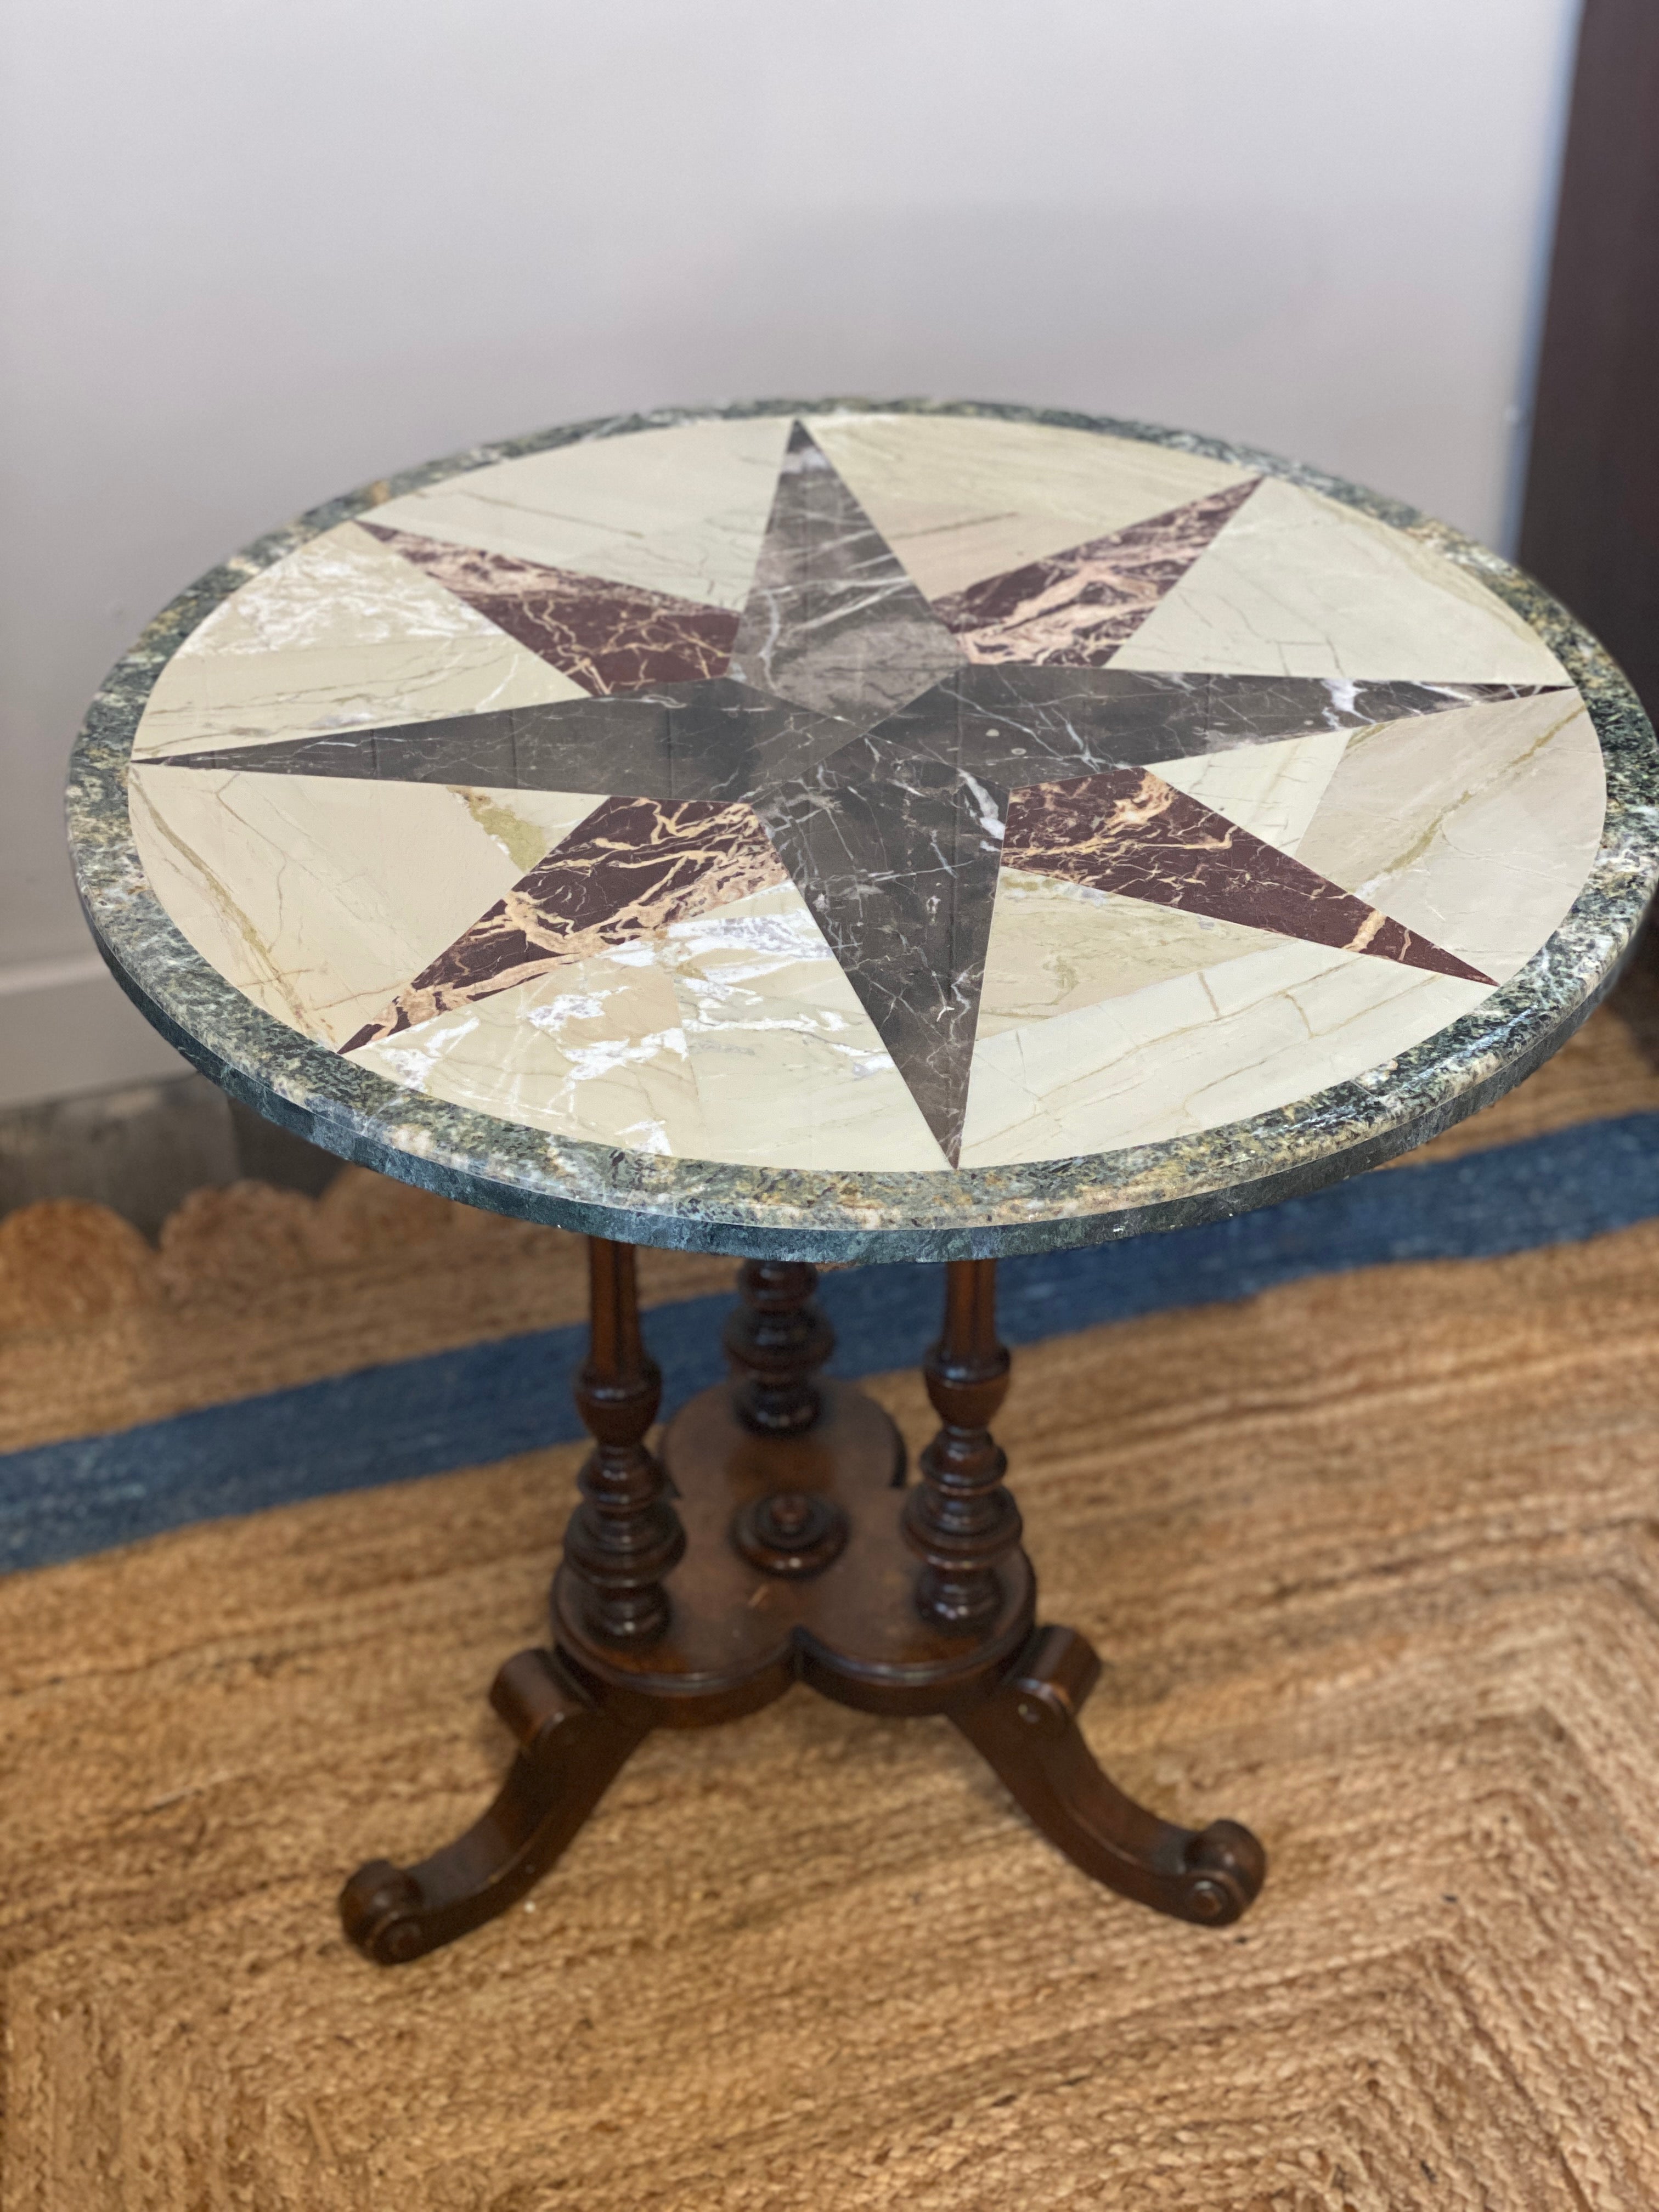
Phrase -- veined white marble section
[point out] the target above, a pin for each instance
(679, 510)
(959, 498)
(1295, 585)
(788, 1066)
(319, 897)
(594, 1049)
(1198, 1050)
(733, 1036)
(1272, 791)
(1476, 828)
(343, 634)
(1056, 946)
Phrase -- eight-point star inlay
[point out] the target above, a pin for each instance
(887, 754)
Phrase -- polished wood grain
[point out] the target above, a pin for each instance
(776, 1340)
(960, 1521)
(625, 1535)
(775, 1541)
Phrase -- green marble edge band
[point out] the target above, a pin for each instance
(791, 1214)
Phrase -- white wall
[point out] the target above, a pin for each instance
(257, 251)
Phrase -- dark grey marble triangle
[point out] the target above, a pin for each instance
(898, 862)
(1021, 725)
(578, 744)
(710, 740)
(833, 621)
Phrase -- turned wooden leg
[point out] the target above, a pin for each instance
(964, 1524)
(777, 1341)
(574, 1740)
(1027, 1730)
(574, 1732)
(625, 1535)
(960, 1519)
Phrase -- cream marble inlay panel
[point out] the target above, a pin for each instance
(789, 1065)
(320, 895)
(343, 634)
(1274, 791)
(1197, 1051)
(593, 1049)
(1056, 946)
(680, 510)
(1476, 828)
(960, 498)
(734, 1037)
(1296, 584)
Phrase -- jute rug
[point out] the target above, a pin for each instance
(1374, 1563)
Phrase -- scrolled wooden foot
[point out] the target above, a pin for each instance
(1026, 1730)
(573, 1745)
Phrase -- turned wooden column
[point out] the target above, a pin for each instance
(958, 1518)
(777, 1341)
(625, 1535)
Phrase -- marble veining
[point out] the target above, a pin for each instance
(594, 1047)
(1303, 584)
(606, 636)
(1056, 945)
(1130, 832)
(1157, 827)
(678, 507)
(318, 899)
(718, 740)
(342, 634)
(1075, 608)
(964, 496)
(787, 1064)
(1274, 788)
(1198, 1050)
(1420, 826)
(833, 621)
(631, 868)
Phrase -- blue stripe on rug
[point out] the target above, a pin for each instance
(451, 1409)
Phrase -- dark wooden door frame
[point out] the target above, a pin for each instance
(1589, 527)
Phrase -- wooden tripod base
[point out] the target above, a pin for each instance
(792, 1556)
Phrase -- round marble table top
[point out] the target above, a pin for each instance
(840, 829)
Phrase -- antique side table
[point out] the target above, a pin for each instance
(866, 833)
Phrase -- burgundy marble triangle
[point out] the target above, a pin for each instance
(631, 868)
(605, 636)
(1128, 831)
(1073, 610)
